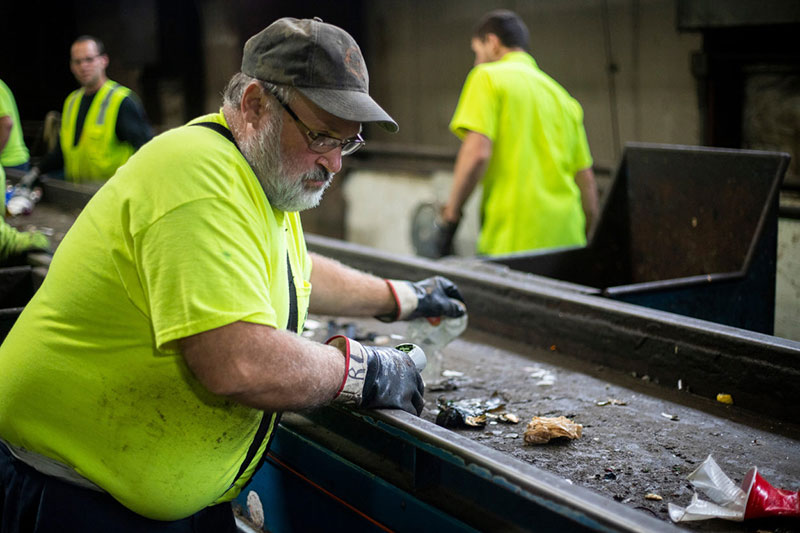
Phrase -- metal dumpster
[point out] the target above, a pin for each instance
(684, 229)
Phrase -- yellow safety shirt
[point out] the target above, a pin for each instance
(98, 153)
(530, 198)
(181, 240)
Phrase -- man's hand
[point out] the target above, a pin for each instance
(431, 234)
(443, 234)
(378, 376)
(431, 297)
(13, 242)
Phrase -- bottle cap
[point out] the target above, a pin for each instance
(415, 353)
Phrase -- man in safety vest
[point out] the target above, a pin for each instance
(522, 136)
(102, 122)
(143, 381)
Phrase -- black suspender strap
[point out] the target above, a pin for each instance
(292, 322)
(291, 325)
(219, 128)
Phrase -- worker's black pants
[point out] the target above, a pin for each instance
(33, 502)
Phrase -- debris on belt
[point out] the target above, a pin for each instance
(473, 412)
(545, 377)
(725, 398)
(508, 418)
(612, 401)
(754, 498)
(444, 385)
(543, 429)
(348, 329)
(310, 327)
(451, 380)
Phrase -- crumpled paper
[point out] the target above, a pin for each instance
(542, 429)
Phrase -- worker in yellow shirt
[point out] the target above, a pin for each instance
(102, 122)
(523, 138)
(143, 381)
(13, 154)
(13, 151)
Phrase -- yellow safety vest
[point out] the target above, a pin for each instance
(98, 153)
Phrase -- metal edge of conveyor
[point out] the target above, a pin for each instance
(708, 358)
(538, 486)
(525, 476)
(71, 195)
(60, 192)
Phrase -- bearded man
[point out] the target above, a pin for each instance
(143, 381)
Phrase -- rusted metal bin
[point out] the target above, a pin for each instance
(684, 229)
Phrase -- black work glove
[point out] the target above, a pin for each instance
(431, 235)
(379, 376)
(443, 236)
(431, 297)
(440, 239)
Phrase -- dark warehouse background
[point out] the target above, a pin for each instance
(162, 49)
(681, 71)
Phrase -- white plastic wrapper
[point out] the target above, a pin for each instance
(729, 500)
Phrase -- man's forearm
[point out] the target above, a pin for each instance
(132, 126)
(5, 131)
(263, 367)
(365, 294)
(589, 197)
(471, 162)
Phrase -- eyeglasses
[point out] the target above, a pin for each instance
(81, 60)
(321, 143)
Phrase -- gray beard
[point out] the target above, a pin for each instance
(284, 189)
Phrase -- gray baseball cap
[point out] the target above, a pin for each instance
(320, 60)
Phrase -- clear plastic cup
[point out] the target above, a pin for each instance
(432, 338)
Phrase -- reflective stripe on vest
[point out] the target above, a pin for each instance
(98, 152)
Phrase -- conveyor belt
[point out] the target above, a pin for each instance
(645, 444)
(540, 312)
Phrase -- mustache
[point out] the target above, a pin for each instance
(318, 174)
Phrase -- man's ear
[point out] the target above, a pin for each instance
(494, 43)
(254, 105)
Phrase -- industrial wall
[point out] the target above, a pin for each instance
(624, 60)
